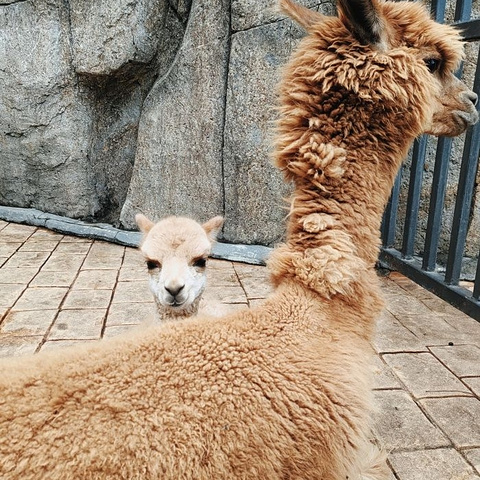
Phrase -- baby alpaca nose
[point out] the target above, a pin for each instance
(174, 290)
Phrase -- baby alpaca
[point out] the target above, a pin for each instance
(176, 250)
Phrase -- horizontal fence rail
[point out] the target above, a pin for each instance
(423, 268)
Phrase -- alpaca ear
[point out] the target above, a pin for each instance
(365, 22)
(144, 224)
(305, 17)
(212, 227)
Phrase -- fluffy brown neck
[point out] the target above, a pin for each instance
(342, 155)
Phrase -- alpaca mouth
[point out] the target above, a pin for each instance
(466, 119)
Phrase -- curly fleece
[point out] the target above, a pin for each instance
(281, 391)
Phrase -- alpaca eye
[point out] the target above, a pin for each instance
(200, 262)
(153, 264)
(432, 64)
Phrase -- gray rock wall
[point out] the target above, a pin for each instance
(156, 106)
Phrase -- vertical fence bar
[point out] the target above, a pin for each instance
(463, 10)
(437, 200)
(389, 221)
(413, 199)
(466, 182)
(438, 10)
(476, 285)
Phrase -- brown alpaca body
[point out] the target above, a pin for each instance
(281, 391)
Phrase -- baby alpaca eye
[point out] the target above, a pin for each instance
(432, 64)
(200, 262)
(153, 264)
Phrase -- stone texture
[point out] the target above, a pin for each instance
(424, 375)
(27, 259)
(17, 274)
(41, 298)
(439, 464)
(392, 336)
(54, 279)
(463, 360)
(27, 323)
(252, 183)
(12, 346)
(402, 425)
(45, 124)
(126, 292)
(78, 324)
(129, 313)
(473, 457)
(96, 279)
(383, 377)
(457, 417)
(10, 293)
(87, 299)
(251, 13)
(179, 153)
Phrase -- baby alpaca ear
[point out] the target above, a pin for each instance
(365, 21)
(144, 224)
(305, 17)
(213, 226)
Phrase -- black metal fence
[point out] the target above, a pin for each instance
(423, 267)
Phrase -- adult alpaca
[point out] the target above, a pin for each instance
(281, 391)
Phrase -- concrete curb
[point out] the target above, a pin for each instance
(253, 254)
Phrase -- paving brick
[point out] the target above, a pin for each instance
(227, 294)
(27, 259)
(117, 330)
(20, 275)
(9, 293)
(400, 305)
(473, 456)
(12, 346)
(26, 323)
(74, 239)
(255, 282)
(129, 274)
(383, 376)
(73, 248)
(38, 246)
(132, 292)
(457, 417)
(41, 298)
(3, 260)
(96, 279)
(16, 233)
(133, 258)
(78, 325)
(392, 336)
(439, 464)
(53, 278)
(61, 262)
(98, 261)
(221, 276)
(56, 344)
(3, 224)
(466, 325)
(86, 299)
(473, 383)
(8, 249)
(463, 360)
(424, 375)
(433, 329)
(129, 313)
(401, 424)
(45, 234)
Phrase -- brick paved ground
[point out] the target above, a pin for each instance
(57, 290)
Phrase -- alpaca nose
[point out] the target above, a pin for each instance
(174, 290)
(473, 97)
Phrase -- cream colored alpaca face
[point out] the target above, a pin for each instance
(176, 251)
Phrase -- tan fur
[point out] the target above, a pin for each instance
(281, 391)
(177, 248)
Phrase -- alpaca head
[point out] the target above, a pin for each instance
(176, 251)
(389, 54)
